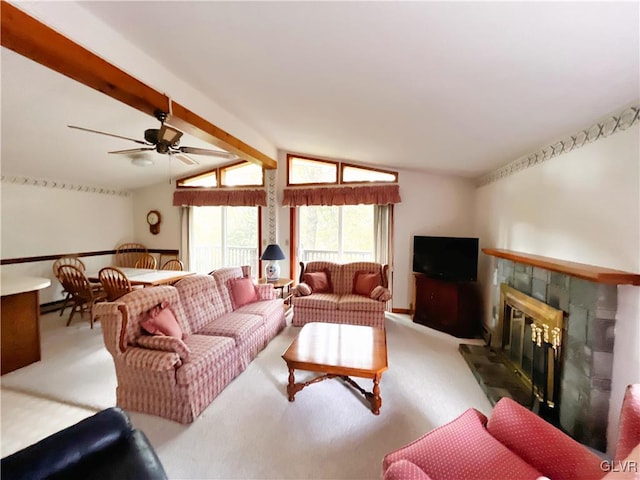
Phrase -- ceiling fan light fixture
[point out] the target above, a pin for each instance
(168, 135)
(142, 162)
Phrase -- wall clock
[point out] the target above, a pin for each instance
(154, 219)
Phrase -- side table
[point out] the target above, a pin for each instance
(284, 285)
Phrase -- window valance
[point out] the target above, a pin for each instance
(208, 197)
(361, 195)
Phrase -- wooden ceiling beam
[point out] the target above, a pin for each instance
(32, 39)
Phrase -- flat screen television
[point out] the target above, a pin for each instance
(447, 258)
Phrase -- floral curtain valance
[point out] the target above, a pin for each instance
(220, 197)
(367, 195)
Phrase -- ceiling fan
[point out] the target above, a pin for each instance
(165, 140)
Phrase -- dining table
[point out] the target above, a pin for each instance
(147, 277)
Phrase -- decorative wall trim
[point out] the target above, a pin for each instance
(61, 185)
(602, 129)
(47, 258)
(271, 206)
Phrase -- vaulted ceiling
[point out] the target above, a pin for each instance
(448, 87)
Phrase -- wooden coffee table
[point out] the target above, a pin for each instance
(339, 350)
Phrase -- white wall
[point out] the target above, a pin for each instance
(431, 205)
(40, 221)
(157, 197)
(583, 206)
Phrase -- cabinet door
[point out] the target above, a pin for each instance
(443, 303)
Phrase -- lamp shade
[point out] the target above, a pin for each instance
(272, 252)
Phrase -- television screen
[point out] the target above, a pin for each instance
(446, 258)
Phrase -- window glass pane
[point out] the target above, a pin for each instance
(242, 237)
(319, 238)
(223, 237)
(243, 174)
(207, 179)
(357, 233)
(355, 174)
(302, 170)
(337, 234)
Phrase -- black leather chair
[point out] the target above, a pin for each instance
(103, 446)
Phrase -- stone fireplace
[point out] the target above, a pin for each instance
(551, 345)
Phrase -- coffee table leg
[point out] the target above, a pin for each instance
(291, 387)
(376, 401)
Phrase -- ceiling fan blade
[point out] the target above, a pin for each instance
(184, 158)
(211, 153)
(133, 150)
(142, 142)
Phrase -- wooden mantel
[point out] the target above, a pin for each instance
(580, 270)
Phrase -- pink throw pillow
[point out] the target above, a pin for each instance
(318, 281)
(162, 321)
(365, 282)
(243, 291)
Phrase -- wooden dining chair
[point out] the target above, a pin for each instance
(173, 264)
(114, 282)
(146, 261)
(84, 294)
(66, 260)
(128, 254)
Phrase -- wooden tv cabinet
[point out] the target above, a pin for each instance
(451, 307)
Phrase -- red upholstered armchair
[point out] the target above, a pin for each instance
(515, 443)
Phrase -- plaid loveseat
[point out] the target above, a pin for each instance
(340, 304)
(178, 378)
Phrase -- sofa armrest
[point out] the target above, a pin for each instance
(77, 446)
(155, 360)
(165, 344)
(540, 444)
(266, 291)
(404, 470)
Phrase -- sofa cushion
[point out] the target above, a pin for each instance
(358, 303)
(243, 291)
(267, 309)
(364, 282)
(319, 301)
(222, 277)
(540, 444)
(207, 353)
(332, 269)
(200, 299)
(344, 284)
(236, 325)
(463, 449)
(320, 282)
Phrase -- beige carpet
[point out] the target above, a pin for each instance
(252, 431)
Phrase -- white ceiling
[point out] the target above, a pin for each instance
(458, 88)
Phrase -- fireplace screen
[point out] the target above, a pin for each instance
(531, 342)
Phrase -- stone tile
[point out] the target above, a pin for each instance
(558, 297)
(539, 289)
(522, 268)
(583, 293)
(607, 301)
(541, 274)
(577, 323)
(522, 282)
(601, 367)
(601, 334)
(505, 268)
(560, 279)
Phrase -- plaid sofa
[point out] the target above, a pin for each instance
(341, 305)
(177, 379)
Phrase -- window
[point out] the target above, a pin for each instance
(311, 171)
(339, 234)
(234, 175)
(223, 237)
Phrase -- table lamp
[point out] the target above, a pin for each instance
(272, 254)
